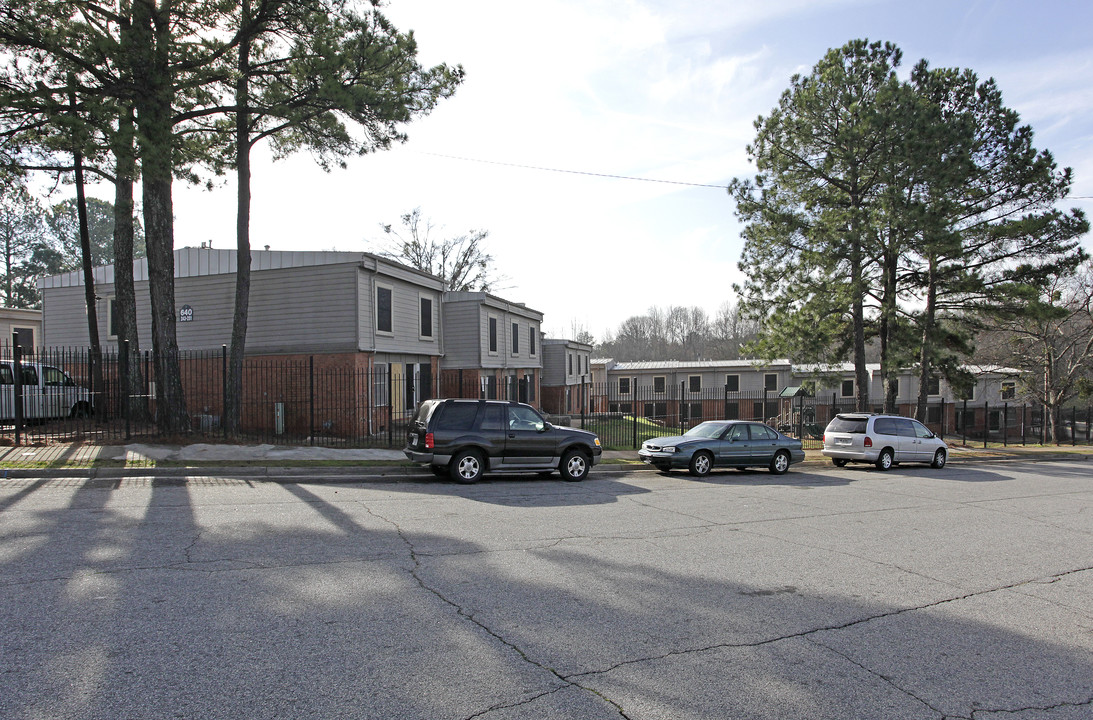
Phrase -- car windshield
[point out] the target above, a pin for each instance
(706, 430)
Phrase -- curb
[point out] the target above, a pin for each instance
(274, 473)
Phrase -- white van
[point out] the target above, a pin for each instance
(48, 392)
(884, 440)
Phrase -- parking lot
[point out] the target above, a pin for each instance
(824, 593)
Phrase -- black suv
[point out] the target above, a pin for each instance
(465, 438)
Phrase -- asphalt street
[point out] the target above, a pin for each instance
(823, 593)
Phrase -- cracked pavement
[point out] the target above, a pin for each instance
(824, 593)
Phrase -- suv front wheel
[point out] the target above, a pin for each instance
(466, 466)
(574, 466)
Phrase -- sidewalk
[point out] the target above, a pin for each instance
(200, 459)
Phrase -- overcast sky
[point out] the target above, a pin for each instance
(663, 90)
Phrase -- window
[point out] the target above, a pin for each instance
(494, 418)
(111, 317)
(732, 411)
(383, 309)
(658, 384)
(7, 377)
(895, 385)
(515, 339)
(426, 317)
(933, 414)
(847, 388)
(694, 383)
(531, 341)
(1009, 390)
(489, 386)
(457, 416)
(55, 378)
(624, 386)
(569, 357)
(762, 432)
(379, 385)
(770, 382)
(732, 383)
(694, 411)
(933, 386)
(493, 335)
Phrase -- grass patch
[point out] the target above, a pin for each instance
(617, 433)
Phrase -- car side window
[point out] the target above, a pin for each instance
(762, 432)
(7, 377)
(493, 418)
(30, 376)
(904, 427)
(885, 426)
(921, 430)
(737, 433)
(457, 416)
(522, 418)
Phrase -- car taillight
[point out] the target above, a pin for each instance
(428, 441)
(868, 441)
(823, 438)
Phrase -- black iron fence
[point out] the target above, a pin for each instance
(624, 420)
(69, 394)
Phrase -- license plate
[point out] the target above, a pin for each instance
(413, 438)
(843, 441)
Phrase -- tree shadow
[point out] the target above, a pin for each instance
(221, 600)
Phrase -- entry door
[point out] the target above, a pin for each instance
(735, 446)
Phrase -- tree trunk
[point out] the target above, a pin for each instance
(95, 359)
(925, 352)
(155, 93)
(233, 401)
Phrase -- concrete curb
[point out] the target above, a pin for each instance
(273, 472)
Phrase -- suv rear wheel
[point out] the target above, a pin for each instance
(885, 461)
(574, 466)
(466, 466)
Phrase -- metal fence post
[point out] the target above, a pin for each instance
(1005, 424)
(986, 423)
(964, 424)
(1074, 425)
(124, 365)
(311, 397)
(17, 366)
(224, 389)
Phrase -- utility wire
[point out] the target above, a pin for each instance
(577, 172)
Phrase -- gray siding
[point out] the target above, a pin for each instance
(291, 310)
(463, 330)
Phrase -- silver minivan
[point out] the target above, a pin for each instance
(884, 440)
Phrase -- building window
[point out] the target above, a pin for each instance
(770, 382)
(515, 339)
(847, 388)
(933, 414)
(493, 335)
(895, 385)
(531, 341)
(624, 386)
(933, 385)
(694, 383)
(1009, 390)
(732, 383)
(426, 305)
(694, 411)
(658, 384)
(379, 385)
(111, 317)
(732, 411)
(383, 309)
(569, 360)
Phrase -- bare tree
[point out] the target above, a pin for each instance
(1051, 342)
(461, 262)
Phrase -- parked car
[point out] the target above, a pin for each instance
(48, 392)
(723, 443)
(884, 440)
(466, 438)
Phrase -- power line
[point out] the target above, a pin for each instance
(577, 172)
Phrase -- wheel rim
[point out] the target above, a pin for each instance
(886, 460)
(575, 467)
(939, 458)
(468, 467)
(702, 464)
(781, 462)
